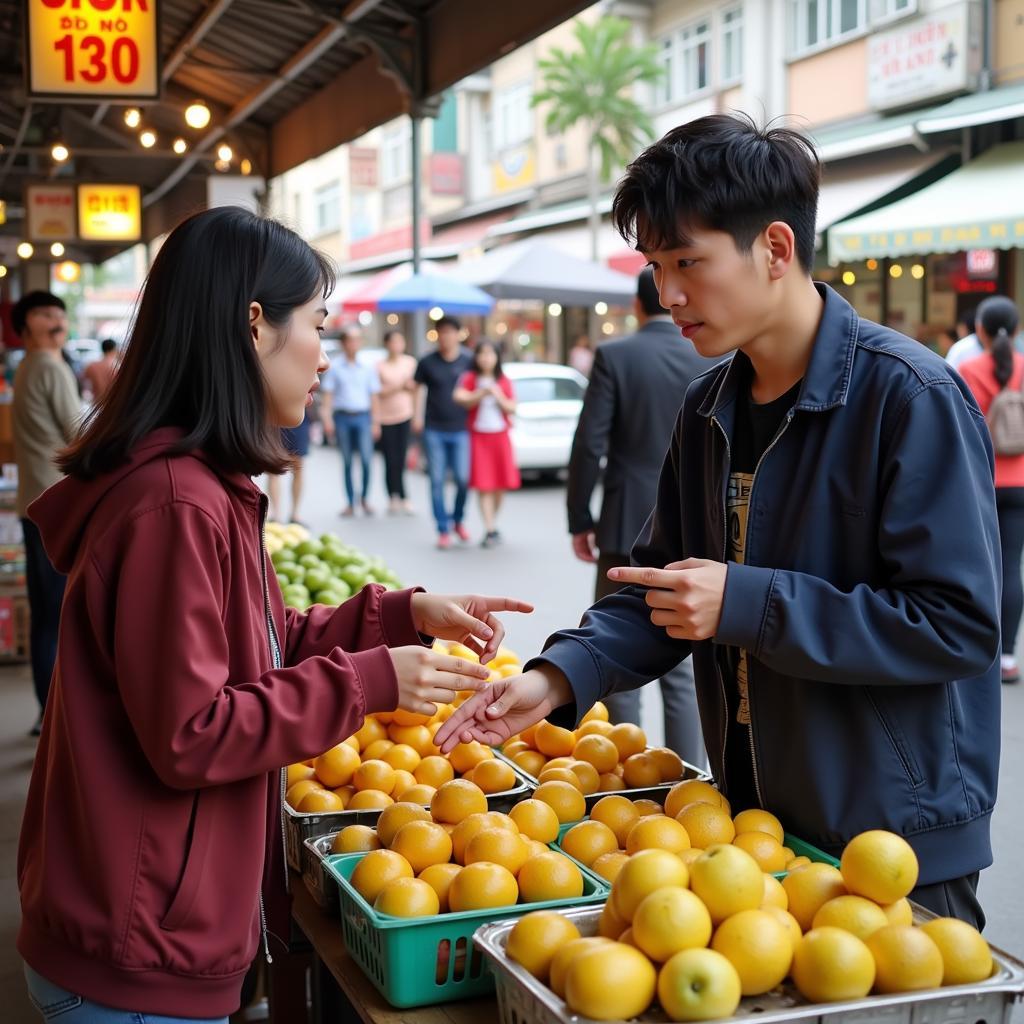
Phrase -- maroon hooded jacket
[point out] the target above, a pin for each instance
(153, 817)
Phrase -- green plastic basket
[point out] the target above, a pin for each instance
(421, 961)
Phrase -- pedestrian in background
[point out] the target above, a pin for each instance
(296, 443)
(488, 396)
(581, 355)
(397, 398)
(1000, 369)
(968, 346)
(629, 410)
(350, 413)
(99, 374)
(46, 414)
(442, 422)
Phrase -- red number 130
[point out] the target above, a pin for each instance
(123, 64)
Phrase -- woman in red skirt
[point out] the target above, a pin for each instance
(487, 393)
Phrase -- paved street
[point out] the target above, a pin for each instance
(535, 564)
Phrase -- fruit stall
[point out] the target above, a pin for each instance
(580, 875)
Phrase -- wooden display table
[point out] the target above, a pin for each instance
(341, 992)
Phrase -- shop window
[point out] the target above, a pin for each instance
(817, 23)
(887, 10)
(685, 57)
(513, 123)
(327, 206)
(396, 153)
(732, 44)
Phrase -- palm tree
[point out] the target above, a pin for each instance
(593, 86)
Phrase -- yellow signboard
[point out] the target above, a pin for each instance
(109, 213)
(93, 49)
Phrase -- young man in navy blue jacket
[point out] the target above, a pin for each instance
(824, 540)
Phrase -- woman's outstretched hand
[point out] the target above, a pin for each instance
(427, 678)
(467, 619)
(505, 708)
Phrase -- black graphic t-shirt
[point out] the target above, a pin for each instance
(755, 428)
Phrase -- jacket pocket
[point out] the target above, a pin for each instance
(195, 862)
(896, 738)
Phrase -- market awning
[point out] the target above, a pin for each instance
(979, 206)
(535, 270)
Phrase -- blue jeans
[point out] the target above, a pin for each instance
(57, 1004)
(355, 436)
(447, 450)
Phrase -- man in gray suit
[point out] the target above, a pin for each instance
(637, 386)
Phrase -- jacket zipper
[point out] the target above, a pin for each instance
(725, 552)
(746, 547)
(277, 662)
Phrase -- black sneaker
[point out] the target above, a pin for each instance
(490, 540)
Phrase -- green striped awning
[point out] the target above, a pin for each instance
(978, 206)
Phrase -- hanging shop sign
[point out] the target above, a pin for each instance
(93, 49)
(934, 55)
(50, 212)
(110, 213)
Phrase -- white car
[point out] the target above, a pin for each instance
(549, 400)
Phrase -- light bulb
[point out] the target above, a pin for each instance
(895, 270)
(554, 309)
(245, 166)
(69, 271)
(917, 271)
(3, 270)
(436, 313)
(148, 139)
(225, 152)
(197, 115)
(179, 146)
(849, 277)
(60, 152)
(57, 249)
(600, 308)
(25, 250)
(133, 117)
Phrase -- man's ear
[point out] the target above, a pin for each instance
(780, 246)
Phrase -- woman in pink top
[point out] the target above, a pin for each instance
(986, 375)
(396, 398)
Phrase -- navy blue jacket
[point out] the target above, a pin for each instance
(868, 601)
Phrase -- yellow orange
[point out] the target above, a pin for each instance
(589, 840)
(797, 863)
(530, 761)
(352, 742)
(756, 820)
(356, 839)
(565, 800)
(671, 919)
(598, 751)
(787, 920)
(646, 872)
(512, 747)
(640, 771)
(610, 981)
(536, 819)
(774, 894)
(618, 813)
(589, 779)
(657, 832)
(494, 776)
(906, 959)
(422, 843)
(565, 775)
(299, 772)
(439, 878)
(481, 886)
(403, 781)
(728, 880)
(456, 800)
(810, 888)
(610, 783)
(966, 958)
(407, 897)
(405, 718)
(758, 946)
(370, 731)
(375, 870)
(564, 956)
(368, 800)
(553, 740)
(690, 855)
(320, 801)
(692, 791)
(559, 762)
(899, 912)
(345, 792)
(336, 766)
(536, 938)
(295, 793)
(419, 737)
(549, 876)
(374, 774)
(670, 764)
(402, 756)
(394, 817)
(376, 750)
(831, 965)
(433, 770)
(608, 865)
(594, 728)
(470, 826)
(611, 924)
(629, 739)
(598, 712)
(715, 980)
(706, 824)
(879, 865)
(853, 914)
(418, 794)
(645, 808)
(468, 755)
(497, 846)
(766, 850)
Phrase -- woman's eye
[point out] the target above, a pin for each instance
(685, 264)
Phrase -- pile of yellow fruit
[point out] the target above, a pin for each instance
(695, 817)
(598, 757)
(700, 936)
(393, 757)
(458, 856)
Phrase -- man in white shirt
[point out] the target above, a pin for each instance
(968, 346)
(350, 413)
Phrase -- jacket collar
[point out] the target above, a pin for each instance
(827, 381)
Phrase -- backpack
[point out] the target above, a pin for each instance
(1006, 421)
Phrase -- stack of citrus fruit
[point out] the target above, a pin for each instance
(598, 757)
(458, 855)
(699, 936)
(393, 757)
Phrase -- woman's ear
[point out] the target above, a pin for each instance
(256, 322)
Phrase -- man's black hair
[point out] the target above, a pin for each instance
(30, 301)
(448, 321)
(108, 345)
(720, 173)
(647, 294)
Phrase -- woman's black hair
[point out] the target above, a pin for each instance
(388, 335)
(998, 316)
(190, 361)
(496, 349)
(722, 172)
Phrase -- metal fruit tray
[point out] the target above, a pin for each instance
(299, 826)
(522, 999)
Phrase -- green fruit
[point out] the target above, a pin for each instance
(327, 539)
(310, 561)
(296, 594)
(284, 556)
(283, 580)
(317, 580)
(294, 573)
(308, 547)
(354, 575)
(339, 589)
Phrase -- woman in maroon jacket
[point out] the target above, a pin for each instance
(151, 863)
